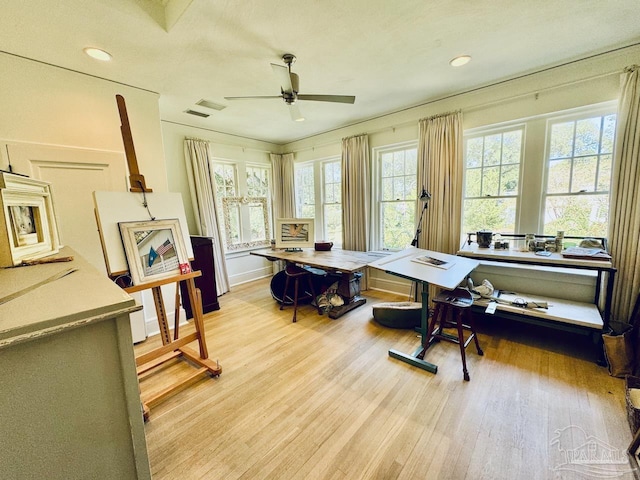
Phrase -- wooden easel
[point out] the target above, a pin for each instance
(176, 347)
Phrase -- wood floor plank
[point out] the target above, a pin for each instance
(322, 399)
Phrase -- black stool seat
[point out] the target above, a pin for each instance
(451, 311)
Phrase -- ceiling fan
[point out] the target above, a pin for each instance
(289, 88)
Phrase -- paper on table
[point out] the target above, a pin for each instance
(432, 261)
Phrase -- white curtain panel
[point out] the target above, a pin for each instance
(356, 181)
(624, 209)
(440, 172)
(197, 157)
(282, 189)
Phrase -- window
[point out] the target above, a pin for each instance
(579, 158)
(245, 219)
(547, 173)
(305, 191)
(332, 201)
(492, 180)
(397, 191)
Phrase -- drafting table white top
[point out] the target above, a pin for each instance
(402, 264)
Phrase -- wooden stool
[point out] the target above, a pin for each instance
(295, 272)
(450, 308)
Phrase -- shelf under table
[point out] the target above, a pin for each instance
(562, 311)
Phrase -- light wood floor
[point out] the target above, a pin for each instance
(321, 399)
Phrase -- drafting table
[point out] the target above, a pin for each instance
(403, 264)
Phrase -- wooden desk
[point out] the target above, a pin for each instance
(402, 265)
(346, 262)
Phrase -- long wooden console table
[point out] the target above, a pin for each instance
(346, 262)
(560, 311)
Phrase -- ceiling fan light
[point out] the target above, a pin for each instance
(460, 60)
(98, 54)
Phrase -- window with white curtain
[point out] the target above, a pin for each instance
(492, 179)
(318, 186)
(305, 191)
(246, 220)
(395, 178)
(332, 201)
(579, 158)
(540, 175)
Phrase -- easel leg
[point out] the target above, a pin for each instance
(162, 315)
(196, 304)
(176, 316)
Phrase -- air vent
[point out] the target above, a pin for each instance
(197, 114)
(211, 105)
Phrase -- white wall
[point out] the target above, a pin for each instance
(241, 266)
(46, 105)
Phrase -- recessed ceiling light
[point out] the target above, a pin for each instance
(300, 119)
(98, 54)
(459, 61)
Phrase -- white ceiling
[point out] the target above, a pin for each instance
(390, 54)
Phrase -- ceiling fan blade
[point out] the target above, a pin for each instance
(258, 96)
(329, 98)
(296, 116)
(283, 77)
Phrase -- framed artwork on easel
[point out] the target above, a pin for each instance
(154, 249)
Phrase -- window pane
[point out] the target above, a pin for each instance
(604, 174)
(386, 164)
(584, 174)
(474, 152)
(398, 188)
(561, 140)
(496, 214)
(608, 134)
(559, 176)
(257, 181)
(411, 187)
(579, 215)
(473, 182)
(398, 163)
(411, 164)
(225, 180)
(587, 136)
(333, 223)
(397, 224)
(492, 149)
(307, 211)
(491, 181)
(512, 146)
(387, 189)
(509, 185)
(257, 222)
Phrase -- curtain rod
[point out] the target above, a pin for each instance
(471, 108)
(228, 144)
(440, 115)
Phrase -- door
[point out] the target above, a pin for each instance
(74, 174)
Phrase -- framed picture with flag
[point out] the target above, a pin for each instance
(154, 250)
